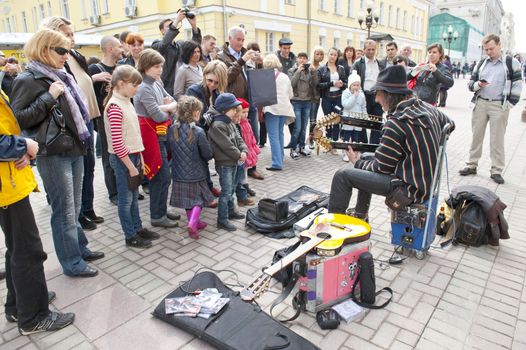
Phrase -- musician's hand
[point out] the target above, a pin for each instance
(353, 156)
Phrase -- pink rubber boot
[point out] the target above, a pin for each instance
(193, 221)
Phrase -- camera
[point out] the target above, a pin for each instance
(306, 66)
(187, 13)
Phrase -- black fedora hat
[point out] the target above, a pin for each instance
(393, 80)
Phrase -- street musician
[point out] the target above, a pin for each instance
(405, 160)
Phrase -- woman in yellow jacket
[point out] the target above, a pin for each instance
(27, 296)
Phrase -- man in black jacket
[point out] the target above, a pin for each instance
(170, 49)
(368, 68)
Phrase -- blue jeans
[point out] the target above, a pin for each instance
(241, 191)
(253, 120)
(89, 170)
(227, 181)
(62, 178)
(327, 105)
(159, 187)
(128, 204)
(274, 124)
(302, 112)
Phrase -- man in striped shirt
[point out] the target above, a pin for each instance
(407, 152)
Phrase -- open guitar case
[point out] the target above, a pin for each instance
(301, 202)
(239, 325)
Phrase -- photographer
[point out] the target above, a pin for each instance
(169, 48)
(304, 79)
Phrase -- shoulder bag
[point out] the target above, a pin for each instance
(54, 134)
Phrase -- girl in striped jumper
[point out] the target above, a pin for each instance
(125, 147)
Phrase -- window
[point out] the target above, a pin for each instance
(8, 24)
(323, 5)
(269, 42)
(413, 24)
(42, 11)
(349, 42)
(405, 20)
(105, 7)
(95, 11)
(321, 41)
(13, 23)
(336, 43)
(65, 8)
(337, 7)
(289, 2)
(350, 8)
(389, 15)
(398, 18)
(49, 9)
(24, 21)
(381, 19)
(35, 20)
(83, 10)
(362, 5)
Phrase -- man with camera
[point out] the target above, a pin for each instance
(304, 79)
(170, 49)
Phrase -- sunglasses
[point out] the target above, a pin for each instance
(60, 50)
(212, 81)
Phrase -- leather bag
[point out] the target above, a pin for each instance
(54, 134)
(275, 210)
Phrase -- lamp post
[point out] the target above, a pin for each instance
(449, 37)
(370, 20)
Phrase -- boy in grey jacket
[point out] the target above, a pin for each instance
(229, 151)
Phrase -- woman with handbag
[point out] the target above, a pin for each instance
(332, 81)
(51, 108)
(277, 115)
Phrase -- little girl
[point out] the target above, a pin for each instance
(354, 105)
(191, 152)
(125, 147)
(253, 149)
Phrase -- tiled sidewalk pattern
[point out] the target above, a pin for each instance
(456, 298)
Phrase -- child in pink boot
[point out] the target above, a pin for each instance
(190, 153)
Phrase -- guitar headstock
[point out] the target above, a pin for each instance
(256, 288)
(329, 120)
(324, 143)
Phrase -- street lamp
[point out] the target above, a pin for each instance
(449, 37)
(370, 20)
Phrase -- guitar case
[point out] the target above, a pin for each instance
(239, 325)
(301, 203)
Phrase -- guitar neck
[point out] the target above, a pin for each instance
(363, 121)
(293, 256)
(356, 146)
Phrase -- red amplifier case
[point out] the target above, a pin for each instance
(329, 280)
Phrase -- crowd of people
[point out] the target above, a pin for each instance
(161, 114)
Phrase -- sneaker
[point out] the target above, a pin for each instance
(138, 242)
(294, 154)
(86, 224)
(497, 178)
(467, 171)
(53, 322)
(345, 157)
(246, 202)
(148, 235)
(14, 317)
(173, 216)
(305, 152)
(250, 191)
(91, 216)
(212, 172)
(164, 222)
(140, 197)
(235, 216)
(226, 225)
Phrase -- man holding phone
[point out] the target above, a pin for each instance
(497, 84)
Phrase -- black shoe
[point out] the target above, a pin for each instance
(93, 256)
(250, 191)
(86, 224)
(148, 235)
(53, 322)
(467, 171)
(140, 197)
(273, 169)
(138, 242)
(173, 216)
(87, 272)
(226, 226)
(14, 317)
(91, 216)
(235, 216)
(497, 178)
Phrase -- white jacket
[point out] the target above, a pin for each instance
(284, 93)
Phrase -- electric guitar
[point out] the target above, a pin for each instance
(329, 232)
(327, 145)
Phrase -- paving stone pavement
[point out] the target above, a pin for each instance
(456, 298)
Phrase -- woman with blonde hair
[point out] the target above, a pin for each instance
(277, 115)
(43, 88)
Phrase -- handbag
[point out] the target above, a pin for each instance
(274, 210)
(262, 87)
(56, 138)
(135, 181)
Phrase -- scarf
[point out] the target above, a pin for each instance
(74, 96)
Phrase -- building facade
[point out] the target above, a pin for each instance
(508, 33)
(307, 22)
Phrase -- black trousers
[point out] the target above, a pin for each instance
(366, 182)
(373, 108)
(26, 283)
(109, 175)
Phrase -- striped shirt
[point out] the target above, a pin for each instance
(115, 117)
(409, 147)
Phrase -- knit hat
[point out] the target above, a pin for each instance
(225, 101)
(354, 78)
(244, 103)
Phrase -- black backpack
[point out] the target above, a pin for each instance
(472, 227)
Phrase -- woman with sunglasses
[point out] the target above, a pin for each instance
(44, 86)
